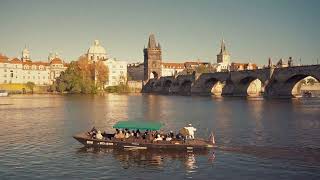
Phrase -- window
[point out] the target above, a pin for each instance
(24, 77)
(113, 71)
(113, 77)
(5, 75)
(121, 66)
(5, 70)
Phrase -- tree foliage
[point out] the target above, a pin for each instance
(30, 85)
(82, 77)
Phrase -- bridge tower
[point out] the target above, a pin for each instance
(152, 59)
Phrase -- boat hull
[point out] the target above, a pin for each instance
(196, 144)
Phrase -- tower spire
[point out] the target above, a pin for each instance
(223, 47)
(152, 41)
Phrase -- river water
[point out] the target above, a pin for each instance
(256, 138)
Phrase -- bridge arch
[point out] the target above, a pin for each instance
(292, 86)
(249, 86)
(167, 85)
(214, 86)
(185, 87)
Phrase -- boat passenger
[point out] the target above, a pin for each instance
(159, 138)
(127, 134)
(191, 131)
(99, 135)
(93, 132)
(120, 135)
(180, 136)
(137, 134)
(171, 134)
(168, 138)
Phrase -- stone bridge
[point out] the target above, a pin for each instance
(275, 82)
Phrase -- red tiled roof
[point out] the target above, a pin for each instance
(16, 61)
(3, 58)
(56, 61)
(173, 65)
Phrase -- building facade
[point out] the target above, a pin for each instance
(117, 72)
(171, 69)
(242, 66)
(21, 71)
(135, 71)
(152, 59)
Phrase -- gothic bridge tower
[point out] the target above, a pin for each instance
(152, 59)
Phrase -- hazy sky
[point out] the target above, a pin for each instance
(187, 29)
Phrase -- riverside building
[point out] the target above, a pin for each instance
(117, 69)
(21, 71)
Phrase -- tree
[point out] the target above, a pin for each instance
(31, 86)
(79, 77)
(102, 74)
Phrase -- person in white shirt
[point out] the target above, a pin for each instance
(191, 131)
(99, 135)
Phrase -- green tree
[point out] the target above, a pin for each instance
(30, 85)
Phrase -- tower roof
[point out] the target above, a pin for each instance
(223, 49)
(152, 42)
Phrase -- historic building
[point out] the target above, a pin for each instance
(96, 52)
(242, 66)
(152, 59)
(135, 71)
(25, 70)
(223, 59)
(117, 72)
(117, 69)
(171, 69)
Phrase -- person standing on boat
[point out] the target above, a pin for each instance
(99, 135)
(191, 131)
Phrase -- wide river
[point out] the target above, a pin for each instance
(257, 138)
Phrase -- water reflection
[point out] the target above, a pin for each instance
(149, 158)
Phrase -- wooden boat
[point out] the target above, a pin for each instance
(110, 141)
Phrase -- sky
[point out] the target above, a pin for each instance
(253, 30)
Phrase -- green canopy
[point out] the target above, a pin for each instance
(141, 125)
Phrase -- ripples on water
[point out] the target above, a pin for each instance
(257, 138)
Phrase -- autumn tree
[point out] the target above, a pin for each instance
(101, 74)
(30, 85)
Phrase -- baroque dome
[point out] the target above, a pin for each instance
(96, 48)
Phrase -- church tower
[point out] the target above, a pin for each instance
(25, 54)
(223, 56)
(152, 59)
